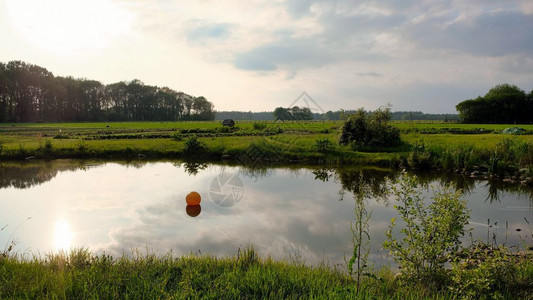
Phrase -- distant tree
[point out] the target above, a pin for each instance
(4, 96)
(203, 109)
(281, 113)
(29, 93)
(504, 103)
(303, 113)
(330, 115)
(293, 113)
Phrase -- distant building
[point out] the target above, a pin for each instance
(228, 122)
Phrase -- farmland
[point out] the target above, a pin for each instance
(429, 145)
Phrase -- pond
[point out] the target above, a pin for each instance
(293, 213)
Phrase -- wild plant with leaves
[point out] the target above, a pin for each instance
(358, 263)
(431, 234)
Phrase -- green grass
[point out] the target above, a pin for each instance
(83, 275)
(404, 125)
(479, 141)
(275, 142)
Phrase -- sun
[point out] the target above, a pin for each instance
(66, 26)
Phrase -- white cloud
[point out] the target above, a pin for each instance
(257, 55)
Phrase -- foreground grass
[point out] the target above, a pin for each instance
(81, 274)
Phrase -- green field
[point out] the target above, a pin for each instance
(428, 145)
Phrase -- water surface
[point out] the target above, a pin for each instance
(288, 213)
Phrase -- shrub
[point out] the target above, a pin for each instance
(370, 129)
(431, 236)
(324, 145)
(225, 129)
(483, 272)
(22, 152)
(419, 157)
(48, 148)
(61, 136)
(259, 126)
(193, 146)
(81, 147)
(176, 136)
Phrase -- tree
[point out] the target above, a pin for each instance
(297, 113)
(281, 113)
(203, 109)
(293, 113)
(504, 103)
(29, 93)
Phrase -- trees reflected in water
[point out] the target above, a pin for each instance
(376, 181)
(27, 175)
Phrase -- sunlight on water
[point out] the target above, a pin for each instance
(63, 235)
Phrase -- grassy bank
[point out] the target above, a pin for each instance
(81, 274)
(460, 148)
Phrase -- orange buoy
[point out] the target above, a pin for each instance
(193, 198)
(193, 210)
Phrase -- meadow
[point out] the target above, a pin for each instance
(426, 145)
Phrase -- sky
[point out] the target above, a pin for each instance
(257, 55)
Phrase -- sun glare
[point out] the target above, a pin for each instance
(66, 26)
(63, 236)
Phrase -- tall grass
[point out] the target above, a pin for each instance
(79, 274)
(508, 157)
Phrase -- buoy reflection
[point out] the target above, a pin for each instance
(193, 210)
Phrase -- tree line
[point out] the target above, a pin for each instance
(503, 104)
(30, 93)
(334, 115)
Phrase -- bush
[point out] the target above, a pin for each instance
(483, 272)
(193, 146)
(259, 126)
(370, 129)
(48, 148)
(420, 156)
(176, 136)
(225, 129)
(324, 145)
(431, 236)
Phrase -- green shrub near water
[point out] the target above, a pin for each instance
(431, 236)
(485, 272)
(324, 145)
(363, 129)
(194, 146)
